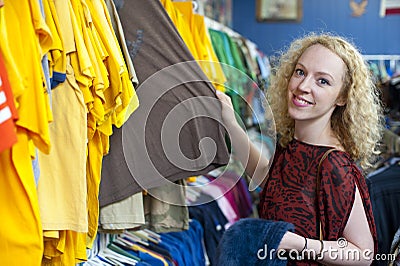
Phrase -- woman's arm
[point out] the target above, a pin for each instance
(355, 248)
(256, 166)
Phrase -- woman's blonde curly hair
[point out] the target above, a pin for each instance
(358, 124)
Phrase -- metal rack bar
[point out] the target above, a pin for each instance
(381, 57)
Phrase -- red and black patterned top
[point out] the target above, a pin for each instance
(289, 193)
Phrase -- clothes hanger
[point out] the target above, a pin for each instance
(122, 252)
(117, 258)
(192, 194)
(195, 6)
(111, 261)
(109, 256)
(154, 234)
(134, 238)
(104, 261)
(123, 241)
(216, 172)
(146, 236)
(94, 253)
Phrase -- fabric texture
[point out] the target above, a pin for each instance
(395, 249)
(8, 111)
(165, 209)
(119, 32)
(136, 160)
(235, 190)
(190, 245)
(384, 190)
(396, 241)
(24, 37)
(214, 223)
(62, 189)
(242, 242)
(289, 193)
(125, 214)
(186, 246)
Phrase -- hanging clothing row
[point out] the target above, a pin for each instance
(247, 70)
(382, 179)
(386, 72)
(144, 247)
(384, 189)
(82, 102)
(72, 50)
(208, 220)
(384, 67)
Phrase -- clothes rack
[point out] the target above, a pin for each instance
(381, 57)
(215, 25)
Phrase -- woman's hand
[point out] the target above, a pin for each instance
(228, 114)
(256, 166)
(340, 252)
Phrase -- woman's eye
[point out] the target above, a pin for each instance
(299, 72)
(324, 82)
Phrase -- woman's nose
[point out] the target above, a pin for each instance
(305, 85)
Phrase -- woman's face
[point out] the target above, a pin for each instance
(315, 84)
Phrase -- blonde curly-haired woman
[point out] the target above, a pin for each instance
(323, 98)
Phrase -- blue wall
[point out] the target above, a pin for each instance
(371, 33)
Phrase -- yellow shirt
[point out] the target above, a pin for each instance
(120, 91)
(116, 94)
(20, 225)
(57, 55)
(69, 188)
(182, 25)
(62, 187)
(25, 39)
(64, 248)
(192, 29)
(210, 64)
(80, 61)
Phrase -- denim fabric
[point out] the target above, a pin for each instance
(241, 243)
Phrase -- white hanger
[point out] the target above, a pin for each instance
(134, 238)
(154, 234)
(195, 6)
(117, 258)
(145, 236)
